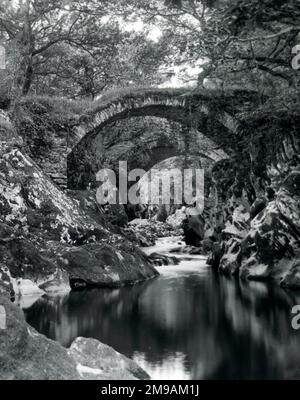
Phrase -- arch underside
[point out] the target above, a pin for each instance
(199, 118)
(221, 129)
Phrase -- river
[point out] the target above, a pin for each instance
(189, 323)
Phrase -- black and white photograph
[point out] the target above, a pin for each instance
(149, 193)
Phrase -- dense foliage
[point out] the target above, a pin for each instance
(81, 48)
(72, 48)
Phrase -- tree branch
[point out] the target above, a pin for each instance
(273, 36)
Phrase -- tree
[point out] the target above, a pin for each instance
(73, 48)
(36, 27)
(239, 41)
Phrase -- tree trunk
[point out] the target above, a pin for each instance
(29, 46)
(27, 79)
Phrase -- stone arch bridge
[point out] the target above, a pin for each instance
(205, 111)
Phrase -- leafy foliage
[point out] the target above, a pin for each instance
(72, 48)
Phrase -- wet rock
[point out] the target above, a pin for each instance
(146, 231)
(229, 262)
(257, 207)
(215, 256)
(161, 259)
(187, 250)
(193, 229)
(26, 355)
(162, 214)
(273, 242)
(235, 231)
(95, 360)
(207, 246)
(143, 239)
(292, 278)
(59, 282)
(104, 265)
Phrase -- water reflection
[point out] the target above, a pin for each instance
(188, 324)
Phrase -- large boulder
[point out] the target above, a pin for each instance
(193, 229)
(25, 354)
(32, 203)
(104, 265)
(96, 360)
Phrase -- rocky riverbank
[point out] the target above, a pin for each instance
(53, 240)
(258, 235)
(25, 354)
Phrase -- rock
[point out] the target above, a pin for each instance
(257, 207)
(102, 265)
(233, 234)
(87, 202)
(215, 256)
(266, 246)
(229, 262)
(189, 235)
(273, 242)
(146, 231)
(40, 223)
(24, 260)
(95, 360)
(57, 283)
(175, 220)
(142, 239)
(207, 246)
(161, 259)
(162, 214)
(193, 229)
(31, 202)
(27, 355)
(116, 214)
(6, 281)
(187, 250)
(196, 223)
(140, 222)
(7, 233)
(292, 278)
(25, 287)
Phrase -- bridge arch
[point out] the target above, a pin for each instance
(198, 111)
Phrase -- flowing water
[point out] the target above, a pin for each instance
(189, 323)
